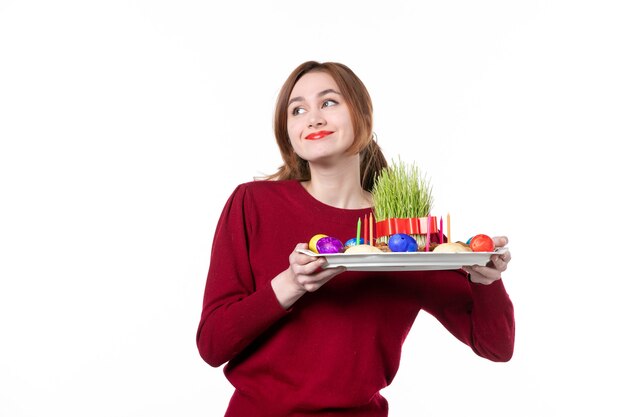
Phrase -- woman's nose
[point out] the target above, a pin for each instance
(316, 119)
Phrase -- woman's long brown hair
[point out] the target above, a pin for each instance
(359, 103)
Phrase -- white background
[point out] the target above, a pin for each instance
(125, 125)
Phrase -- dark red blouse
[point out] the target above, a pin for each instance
(336, 348)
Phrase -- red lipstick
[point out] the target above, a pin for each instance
(318, 135)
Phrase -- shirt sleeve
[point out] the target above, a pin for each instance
(481, 316)
(235, 311)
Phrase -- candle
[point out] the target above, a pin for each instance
(365, 230)
(427, 247)
(448, 229)
(372, 230)
(358, 231)
(441, 229)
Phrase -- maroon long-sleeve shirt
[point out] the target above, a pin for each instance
(336, 348)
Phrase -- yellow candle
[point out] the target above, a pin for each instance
(448, 227)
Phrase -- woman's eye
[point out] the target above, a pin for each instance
(329, 103)
(297, 110)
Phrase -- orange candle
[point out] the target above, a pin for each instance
(448, 227)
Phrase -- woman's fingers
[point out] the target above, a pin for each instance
(314, 282)
(308, 270)
(500, 241)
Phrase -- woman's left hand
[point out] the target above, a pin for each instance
(496, 266)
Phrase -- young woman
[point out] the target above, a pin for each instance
(300, 340)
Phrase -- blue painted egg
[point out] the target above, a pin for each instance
(329, 244)
(401, 242)
(352, 242)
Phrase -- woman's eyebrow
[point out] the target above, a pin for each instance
(327, 91)
(320, 94)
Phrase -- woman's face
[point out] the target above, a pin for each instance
(318, 119)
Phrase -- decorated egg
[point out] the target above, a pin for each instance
(482, 243)
(329, 244)
(313, 242)
(401, 242)
(352, 242)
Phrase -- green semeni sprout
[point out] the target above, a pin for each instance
(401, 191)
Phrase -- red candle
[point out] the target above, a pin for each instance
(441, 229)
(427, 248)
(365, 231)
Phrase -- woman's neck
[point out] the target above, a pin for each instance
(339, 186)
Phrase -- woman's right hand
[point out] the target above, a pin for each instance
(305, 274)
